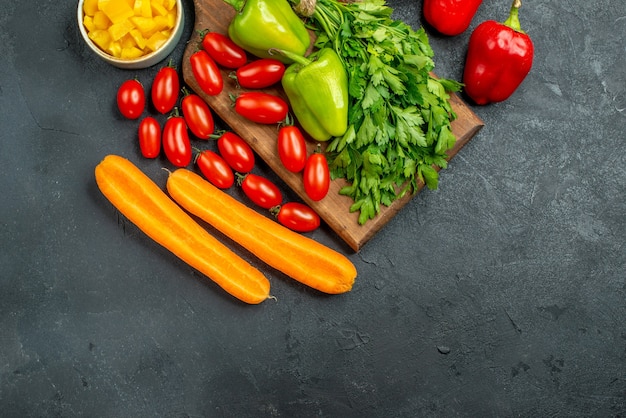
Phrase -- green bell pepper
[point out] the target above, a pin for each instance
(260, 25)
(317, 89)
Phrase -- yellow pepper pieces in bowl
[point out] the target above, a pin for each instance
(131, 33)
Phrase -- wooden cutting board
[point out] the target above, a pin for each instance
(215, 15)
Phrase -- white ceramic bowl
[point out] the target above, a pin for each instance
(144, 61)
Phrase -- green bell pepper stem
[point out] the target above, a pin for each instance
(513, 20)
(237, 4)
(291, 56)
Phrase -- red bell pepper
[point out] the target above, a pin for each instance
(499, 57)
(450, 17)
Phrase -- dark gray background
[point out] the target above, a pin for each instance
(500, 294)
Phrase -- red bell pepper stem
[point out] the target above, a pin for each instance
(513, 20)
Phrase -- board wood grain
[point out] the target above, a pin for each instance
(215, 15)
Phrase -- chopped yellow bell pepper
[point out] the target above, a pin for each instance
(88, 23)
(118, 30)
(115, 49)
(146, 8)
(129, 29)
(101, 38)
(101, 21)
(140, 41)
(171, 19)
(157, 8)
(137, 7)
(90, 7)
(143, 8)
(145, 25)
(128, 41)
(160, 23)
(131, 53)
(156, 41)
(117, 10)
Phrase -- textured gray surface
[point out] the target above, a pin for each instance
(501, 294)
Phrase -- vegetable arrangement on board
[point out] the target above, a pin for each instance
(367, 90)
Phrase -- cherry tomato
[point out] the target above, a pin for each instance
(236, 152)
(197, 115)
(150, 137)
(261, 107)
(223, 50)
(131, 99)
(260, 73)
(215, 169)
(316, 176)
(176, 144)
(206, 73)
(165, 89)
(261, 191)
(291, 148)
(298, 217)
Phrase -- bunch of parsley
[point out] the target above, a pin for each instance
(399, 117)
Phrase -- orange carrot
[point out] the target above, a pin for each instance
(296, 255)
(140, 200)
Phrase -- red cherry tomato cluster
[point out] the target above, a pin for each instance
(189, 117)
(218, 51)
(173, 136)
(235, 155)
(292, 152)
